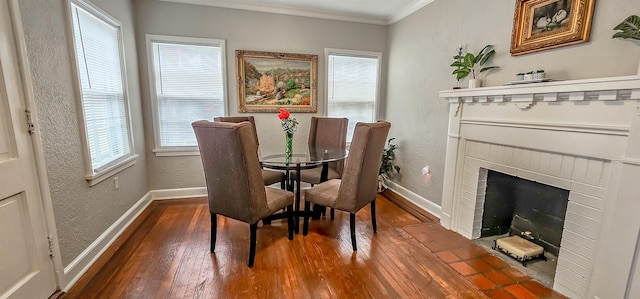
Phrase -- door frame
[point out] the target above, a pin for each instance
(36, 141)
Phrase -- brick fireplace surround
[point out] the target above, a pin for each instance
(580, 135)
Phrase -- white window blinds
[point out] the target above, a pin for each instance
(189, 86)
(352, 87)
(104, 103)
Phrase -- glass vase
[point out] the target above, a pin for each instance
(288, 146)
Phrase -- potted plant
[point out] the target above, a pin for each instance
(539, 75)
(388, 166)
(520, 76)
(472, 64)
(528, 75)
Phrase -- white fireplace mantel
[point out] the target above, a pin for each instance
(579, 135)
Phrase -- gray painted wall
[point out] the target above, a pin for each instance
(82, 213)
(243, 30)
(421, 48)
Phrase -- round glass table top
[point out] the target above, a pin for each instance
(304, 157)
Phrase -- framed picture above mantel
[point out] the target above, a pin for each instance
(268, 81)
(546, 24)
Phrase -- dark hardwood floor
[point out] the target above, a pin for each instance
(165, 254)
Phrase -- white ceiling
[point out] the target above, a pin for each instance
(362, 11)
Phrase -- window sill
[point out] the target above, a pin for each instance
(96, 178)
(174, 152)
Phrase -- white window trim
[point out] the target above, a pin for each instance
(352, 53)
(150, 38)
(95, 176)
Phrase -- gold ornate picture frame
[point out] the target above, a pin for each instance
(268, 81)
(546, 24)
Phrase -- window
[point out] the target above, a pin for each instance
(352, 86)
(187, 82)
(100, 71)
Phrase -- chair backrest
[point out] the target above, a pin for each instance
(232, 169)
(360, 177)
(239, 119)
(329, 132)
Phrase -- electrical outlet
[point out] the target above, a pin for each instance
(116, 183)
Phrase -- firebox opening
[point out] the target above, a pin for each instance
(514, 205)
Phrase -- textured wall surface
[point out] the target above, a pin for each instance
(82, 213)
(243, 30)
(421, 48)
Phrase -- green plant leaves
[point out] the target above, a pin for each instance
(630, 28)
(468, 63)
(388, 156)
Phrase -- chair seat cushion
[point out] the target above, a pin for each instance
(277, 199)
(313, 175)
(272, 176)
(324, 194)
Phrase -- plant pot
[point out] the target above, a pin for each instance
(519, 77)
(539, 76)
(528, 76)
(475, 83)
(381, 186)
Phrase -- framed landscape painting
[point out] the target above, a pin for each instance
(545, 24)
(268, 81)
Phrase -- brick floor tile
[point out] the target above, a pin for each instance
(463, 268)
(540, 290)
(520, 292)
(482, 282)
(437, 246)
(448, 257)
(495, 262)
(464, 253)
(516, 274)
(499, 277)
(499, 293)
(479, 265)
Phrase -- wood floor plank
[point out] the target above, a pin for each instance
(167, 256)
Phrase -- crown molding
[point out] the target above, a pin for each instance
(407, 10)
(302, 12)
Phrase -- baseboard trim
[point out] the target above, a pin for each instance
(412, 202)
(83, 262)
(88, 257)
(164, 194)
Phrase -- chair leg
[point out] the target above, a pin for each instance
(290, 221)
(214, 226)
(305, 225)
(282, 184)
(352, 225)
(252, 246)
(333, 213)
(373, 216)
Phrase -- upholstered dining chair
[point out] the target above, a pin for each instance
(234, 182)
(359, 182)
(324, 133)
(269, 176)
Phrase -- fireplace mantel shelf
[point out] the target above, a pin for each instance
(599, 89)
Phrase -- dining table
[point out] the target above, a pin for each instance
(303, 157)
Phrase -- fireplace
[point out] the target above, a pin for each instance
(580, 137)
(517, 206)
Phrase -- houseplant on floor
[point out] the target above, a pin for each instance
(469, 64)
(388, 166)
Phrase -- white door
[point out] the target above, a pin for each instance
(26, 270)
